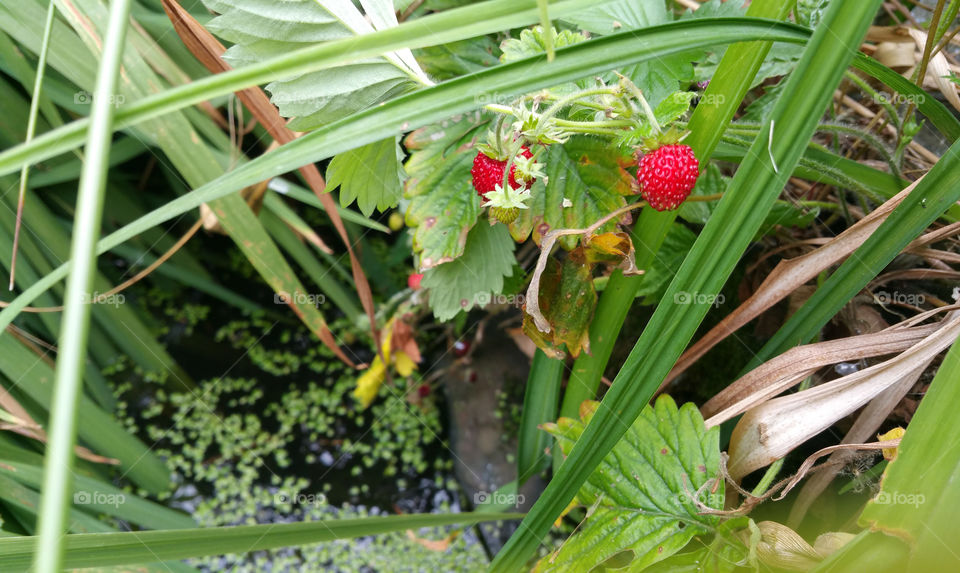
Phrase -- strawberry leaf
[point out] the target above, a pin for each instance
(586, 172)
(531, 43)
(444, 206)
(261, 29)
(641, 495)
(471, 279)
(369, 174)
(567, 301)
(673, 107)
(448, 61)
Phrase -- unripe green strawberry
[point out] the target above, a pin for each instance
(667, 175)
(488, 172)
(505, 215)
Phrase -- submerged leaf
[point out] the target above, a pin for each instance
(444, 206)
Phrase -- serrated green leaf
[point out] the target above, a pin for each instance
(456, 59)
(725, 554)
(590, 175)
(531, 43)
(444, 206)
(808, 12)
(471, 279)
(673, 107)
(261, 29)
(760, 108)
(369, 175)
(610, 17)
(643, 489)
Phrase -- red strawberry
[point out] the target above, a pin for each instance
(488, 172)
(413, 281)
(667, 175)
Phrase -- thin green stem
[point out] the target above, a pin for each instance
(567, 100)
(927, 54)
(31, 128)
(767, 479)
(75, 325)
(647, 110)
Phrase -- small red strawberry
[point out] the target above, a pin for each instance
(667, 175)
(488, 172)
(413, 281)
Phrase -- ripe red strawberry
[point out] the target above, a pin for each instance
(413, 281)
(667, 175)
(488, 172)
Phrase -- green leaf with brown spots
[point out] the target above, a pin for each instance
(444, 206)
(474, 279)
(586, 180)
(640, 498)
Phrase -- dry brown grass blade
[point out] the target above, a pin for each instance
(807, 464)
(208, 50)
(781, 373)
(770, 431)
(786, 278)
(911, 274)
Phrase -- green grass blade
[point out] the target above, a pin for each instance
(539, 406)
(31, 128)
(126, 548)
(435, 29)
(754, 188)
(97, 496)
(320, 276)
(71, 358)
(921, 481)
(938, 114)
(98, 430)
(442, 101)
(727, 89)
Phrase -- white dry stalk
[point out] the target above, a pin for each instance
(807, 464)
(867, 424)
(770, 431)
(938, 70)
(790, 368)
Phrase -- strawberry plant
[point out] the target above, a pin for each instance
(745, 208)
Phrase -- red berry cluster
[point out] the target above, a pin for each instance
(667, 175)
(488, 172)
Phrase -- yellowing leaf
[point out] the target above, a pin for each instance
(369, 383)
(890, 454)
(573, 503)
(404, 364)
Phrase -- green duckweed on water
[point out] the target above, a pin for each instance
(279, 439)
